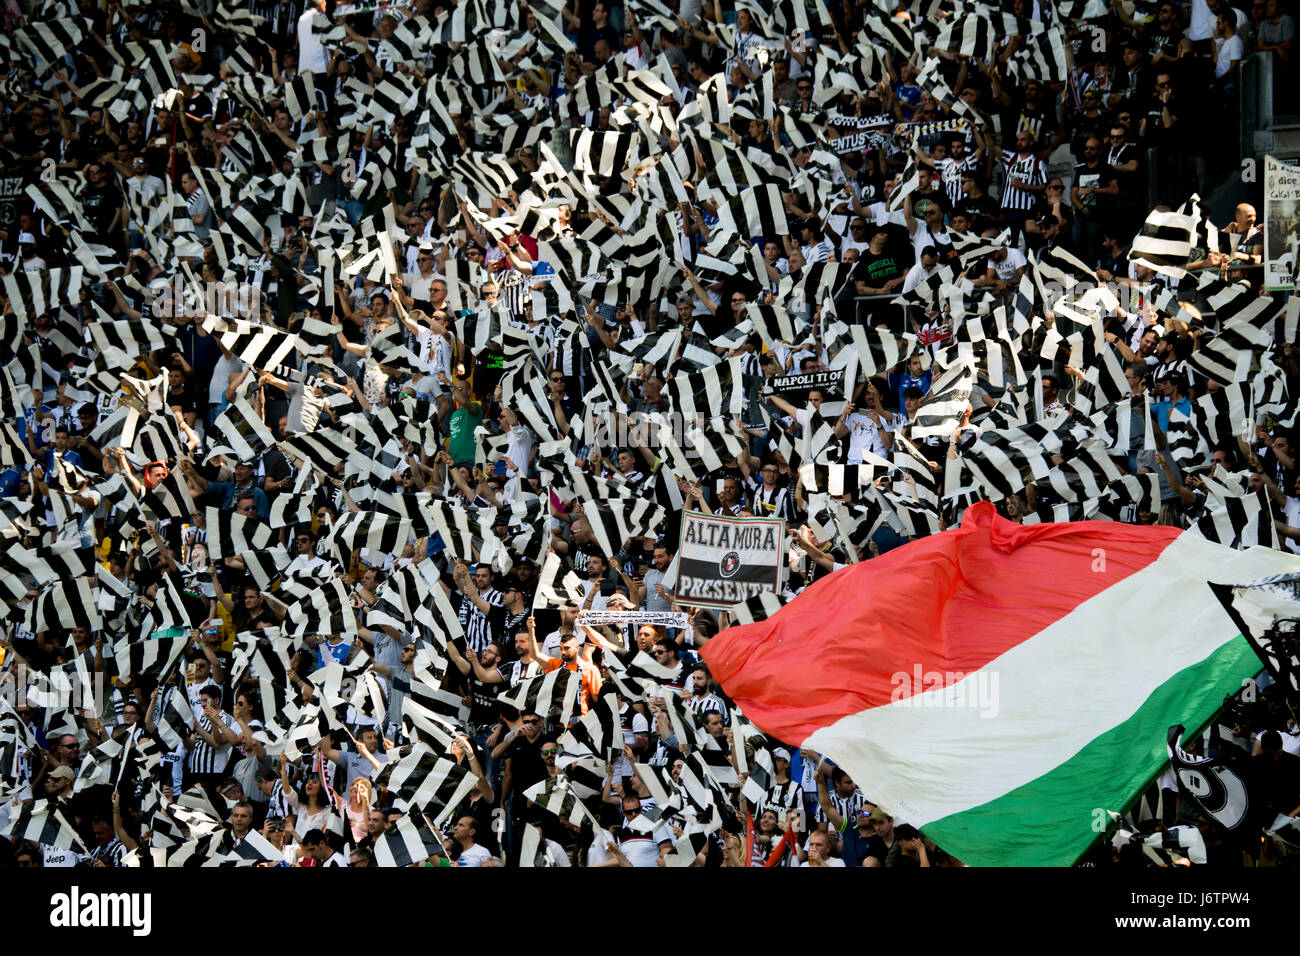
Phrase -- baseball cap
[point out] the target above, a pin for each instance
(62, 773)
(780, 753)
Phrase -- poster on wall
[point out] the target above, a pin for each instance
(1281, 225)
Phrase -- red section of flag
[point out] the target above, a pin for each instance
(943, 605)
(785, 845)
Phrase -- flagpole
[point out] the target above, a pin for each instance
(749, 837)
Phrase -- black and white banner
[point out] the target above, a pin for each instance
(663, 618)
(831, 383)
(723, 561)
(868, 131)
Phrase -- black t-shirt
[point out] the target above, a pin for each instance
(100, 204)
(877, 847)
(47, 142)
(875, 270)
(276, 466)
(1086, 126)
(983, 211)
(1128, 182)
(1275, 784)
(526, 767)
(183, 397)
(1157, 135)
(1041, 122)
(1093, 177)
(1155, 40)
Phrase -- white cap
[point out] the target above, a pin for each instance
(26, 237)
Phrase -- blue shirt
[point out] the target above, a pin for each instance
(904, 381)
(227, 490)
(325, 650)
(1162, 409)
(909, 96)
(70, 458)
(854, 848)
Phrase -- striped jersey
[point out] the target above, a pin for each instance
(1030, 170)
(772, 502)
(709, 703)
(204, 758)
(277, 805)
(478, 626)
(846, 807)
(782, 796)
(950, 170)
(111, 853)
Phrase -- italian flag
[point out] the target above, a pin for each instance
(1002, 686)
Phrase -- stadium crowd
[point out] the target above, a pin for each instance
(354, 353)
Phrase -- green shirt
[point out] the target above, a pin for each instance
(461, 427)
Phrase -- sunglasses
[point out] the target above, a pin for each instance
(547, 753)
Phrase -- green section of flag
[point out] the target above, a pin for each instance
(1051, 821)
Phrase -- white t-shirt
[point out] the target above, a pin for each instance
(519, 449)
(1202, 25)
(916, 275)
(417, 286)
(1225, 52)
(1292, 512)
(435, 356)
(642, 849)
(551, 646)
(864, 435)
(311, 53)
(830, 861)
(474, 856)
(221, 373)
(817, 252)
(1007, 268)
(639, 725)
